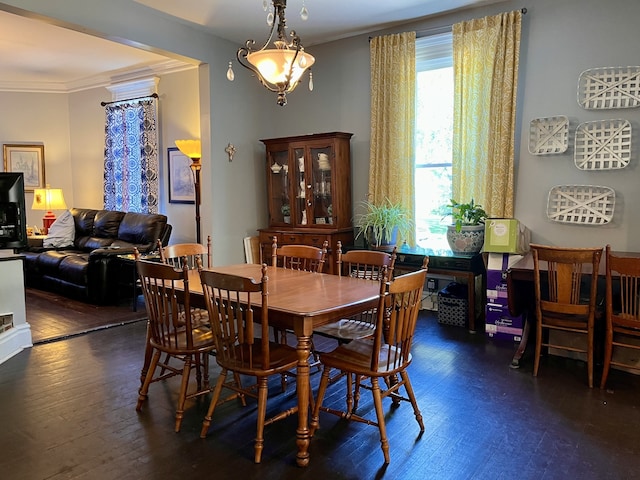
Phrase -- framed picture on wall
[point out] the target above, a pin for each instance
(181, 181)
(28, 159)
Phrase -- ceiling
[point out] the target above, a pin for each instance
(37, 56)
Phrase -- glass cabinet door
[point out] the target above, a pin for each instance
(301, 186)
(279, 189)
(321, 165)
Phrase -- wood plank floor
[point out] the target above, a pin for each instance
(67, 411)
(53, 317)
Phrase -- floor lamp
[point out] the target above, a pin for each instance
(193, 150)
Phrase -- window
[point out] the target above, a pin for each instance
(433, 138)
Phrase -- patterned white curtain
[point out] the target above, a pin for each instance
(131, 157)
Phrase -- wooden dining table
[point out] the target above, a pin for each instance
(302, 301)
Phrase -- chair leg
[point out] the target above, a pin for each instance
(322, 388)
(183, 392)
(412, 397)
(262, 412)
(536, 361)
(590, 357)
(142, 394)
(608, 351)
(222, 378)
(377, 400)
(350, 403)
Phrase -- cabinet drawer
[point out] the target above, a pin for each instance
(283, 238)
(317, 240)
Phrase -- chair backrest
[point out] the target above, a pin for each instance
(623, 292)
(572, 280)
(173, 254)
(366, 263)
(252, 250)
(235, 321)
(398, 308)
(299, 257)
(166, 296)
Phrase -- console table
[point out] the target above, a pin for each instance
(447, 263)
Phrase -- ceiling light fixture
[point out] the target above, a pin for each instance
(280, 67)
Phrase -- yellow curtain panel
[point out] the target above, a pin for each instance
(486, 55)
(393, 78)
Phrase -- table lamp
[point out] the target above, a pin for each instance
(48, 199)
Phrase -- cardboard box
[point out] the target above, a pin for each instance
(499, 324)
(506, 235)
(497, 266)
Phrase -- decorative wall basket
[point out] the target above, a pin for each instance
(609, 87)
(581, 204)
(603, 145)
(548, 135)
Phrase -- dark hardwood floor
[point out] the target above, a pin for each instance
(53, 317)
(67, 411)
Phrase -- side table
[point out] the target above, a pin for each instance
(35, 240)
(128, 277)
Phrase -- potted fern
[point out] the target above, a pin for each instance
(382, 223)
(466, 233)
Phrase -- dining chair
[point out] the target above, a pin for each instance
(173, 254)
(367, 264)
(566, 283)
(239, 312)
(383, 356)
(299, 257)
(170, 331)
(622, 312)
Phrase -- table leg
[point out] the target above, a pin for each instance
(302, 384)
(471, 300)
(522, 346)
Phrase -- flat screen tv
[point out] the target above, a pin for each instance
(13, 216)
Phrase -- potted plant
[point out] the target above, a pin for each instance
(381, 224)
(466, 233)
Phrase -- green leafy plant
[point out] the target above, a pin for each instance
(464, 214)
(381, 220)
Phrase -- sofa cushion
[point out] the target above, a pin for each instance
(83, 218)
(61, 233)
(140, 230)
(107, 223)
(73, 268)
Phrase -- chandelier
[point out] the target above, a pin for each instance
(280, 67)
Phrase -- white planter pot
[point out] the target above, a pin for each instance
(468, 240)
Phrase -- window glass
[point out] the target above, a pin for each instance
(433, 138)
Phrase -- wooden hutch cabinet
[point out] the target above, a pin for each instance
(309, 192)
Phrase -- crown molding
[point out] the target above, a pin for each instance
(105, 80)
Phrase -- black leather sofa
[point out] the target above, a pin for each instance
(90, 269)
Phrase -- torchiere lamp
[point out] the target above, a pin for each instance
(193, 150)
(48, 199)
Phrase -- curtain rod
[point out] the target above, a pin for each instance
(153, 95)
(443, 28)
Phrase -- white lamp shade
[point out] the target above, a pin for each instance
(48, 199)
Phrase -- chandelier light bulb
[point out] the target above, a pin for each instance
(303, 61)
(230, 74)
